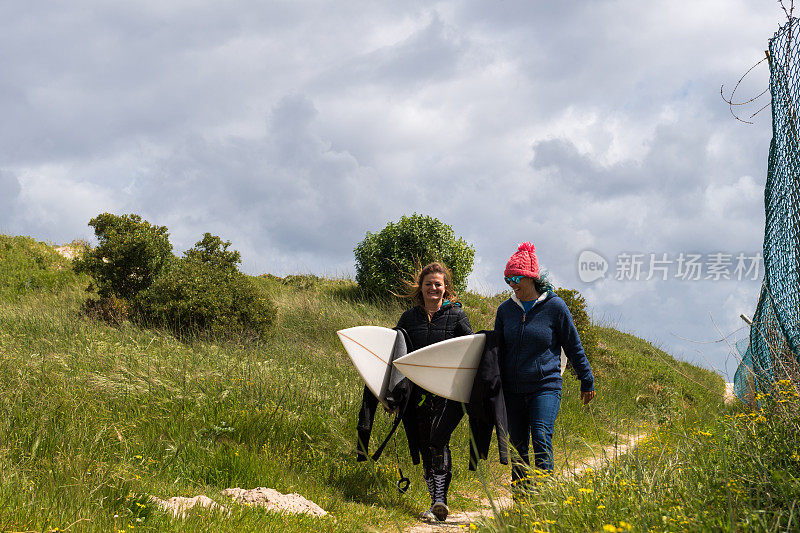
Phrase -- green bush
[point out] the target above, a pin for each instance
(129, 256)
(577, 308)
(205, 292)
(387, 258)
(135, 275)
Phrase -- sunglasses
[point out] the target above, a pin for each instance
(513, 279)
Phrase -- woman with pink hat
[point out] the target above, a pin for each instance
(534, 325)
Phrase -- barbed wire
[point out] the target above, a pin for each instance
(732, 104)
(789, 12)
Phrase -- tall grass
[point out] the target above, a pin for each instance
(734, 470)
(96, 418)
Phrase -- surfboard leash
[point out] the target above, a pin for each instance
(377, 454)
(403, 483)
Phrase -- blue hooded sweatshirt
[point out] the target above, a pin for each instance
(532, 344)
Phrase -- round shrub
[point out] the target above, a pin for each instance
(387, 258)
(130, 254)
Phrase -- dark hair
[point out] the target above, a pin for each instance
(414, 286)
(542, 283)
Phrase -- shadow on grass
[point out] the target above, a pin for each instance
(366, 485)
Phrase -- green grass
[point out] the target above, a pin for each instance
(95, 418)
(27, 265)
(736, 471)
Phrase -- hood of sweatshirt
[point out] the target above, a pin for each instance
(540, 300)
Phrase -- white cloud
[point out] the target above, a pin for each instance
(53, 206)
(293, 128)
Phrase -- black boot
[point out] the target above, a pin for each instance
(428, 514)
(441, 482)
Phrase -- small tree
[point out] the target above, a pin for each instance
(387, 258)
(130, 254)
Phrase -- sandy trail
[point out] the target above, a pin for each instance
(458, 521)
(730, 396)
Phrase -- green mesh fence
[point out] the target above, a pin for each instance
(775, 334)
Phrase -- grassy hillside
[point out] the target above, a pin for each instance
(95, 418)
(29, 266)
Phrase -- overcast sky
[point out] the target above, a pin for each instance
(292, 128)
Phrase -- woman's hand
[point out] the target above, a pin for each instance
(587, 396)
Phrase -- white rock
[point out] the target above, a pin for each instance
(178, 505)
(276, 501)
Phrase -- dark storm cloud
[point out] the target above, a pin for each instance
(96, 76)
(288, 186)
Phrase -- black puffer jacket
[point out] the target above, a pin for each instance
(448, 322)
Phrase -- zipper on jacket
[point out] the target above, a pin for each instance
(430, 321)
(521, 330)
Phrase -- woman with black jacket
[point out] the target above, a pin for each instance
(436, 316)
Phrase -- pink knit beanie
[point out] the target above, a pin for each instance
(524, 262)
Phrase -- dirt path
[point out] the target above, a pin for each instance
(730, 396)
(458, 521)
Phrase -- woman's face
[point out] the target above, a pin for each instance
(433, 288)
(525, 289)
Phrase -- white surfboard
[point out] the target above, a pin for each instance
(370, 348)
(446, 368)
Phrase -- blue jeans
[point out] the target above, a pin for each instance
(532, 416)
